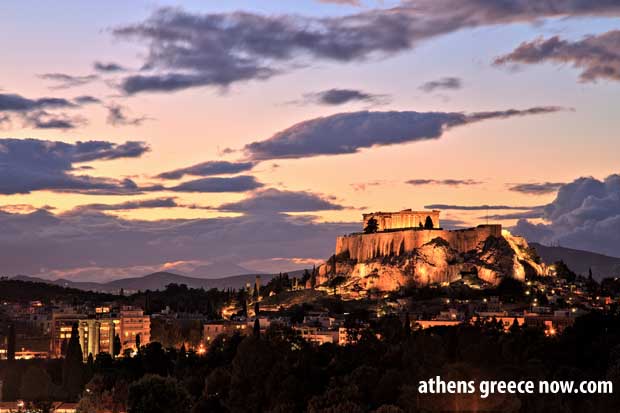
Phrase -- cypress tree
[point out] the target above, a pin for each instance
(407, 325)
(117, 345)
(10, 349)
(73, 366)
(256, 328)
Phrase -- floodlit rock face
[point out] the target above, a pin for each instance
(387, 261)
(363, 247)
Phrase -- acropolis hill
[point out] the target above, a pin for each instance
(409, 247)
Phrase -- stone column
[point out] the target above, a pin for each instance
(82, 333)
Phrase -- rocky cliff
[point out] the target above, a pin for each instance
(435, 262)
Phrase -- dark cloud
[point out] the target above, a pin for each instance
(240, 183)
(533, 214)
(479, 207)
(584, 215)
(42, 243)
(349, 132)
(117, 116)
(31, 164)
(335, 97)
(65, 81)
(539, 188)
(42, 119)
(445, 83)
(446, 182)
(169, 202)
(187, 49)
(275, 201)
(208, 169)
(108, 67)
(85, 100)
(598, 57)
(17, 103)
(35, 113)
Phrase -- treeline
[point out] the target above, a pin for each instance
(179, 298)
(277, 371)
(26, 291)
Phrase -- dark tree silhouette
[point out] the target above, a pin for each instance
(158, 394)
(563, 271)
(117, 345)
(36, 384)
(73, 366)
(428, 223)
(138, 338)
(372, 226)
(10, 348)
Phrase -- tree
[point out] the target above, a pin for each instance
(256, 330)
(10, 383)
(407, 330)
(10, 348)
(137, 342)
(73, 365)
(35, 384)
(428, 223)
(152, 394)
(562, 271)
(372, 226)
(117, 345)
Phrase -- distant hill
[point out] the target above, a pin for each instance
(580, 261)
(158, 281)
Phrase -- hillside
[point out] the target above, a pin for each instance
(580, 261)
(156, 281)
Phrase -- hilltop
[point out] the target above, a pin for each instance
(580, 261)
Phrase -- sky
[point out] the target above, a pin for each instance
(212, 138)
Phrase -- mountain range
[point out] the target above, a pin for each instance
(580, 261)
(158, 281)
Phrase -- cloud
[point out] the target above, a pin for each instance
(362, 186)
(65, 81)
(347, 2)
(31, 164)
(539, 188)
(345, 133)
(43, 243)
(333, 97)
(108, 67)
(534, 213)
(445, 83)
(275, 201)
(17, 103)
(42, 119)
(189, 49)
(85, 100)
(240, 183)
(598, 57)
(169, 202)
(208, 168)
(35, 113)
(117, 116)
(584, 215)
(478, 207)
(446, 182)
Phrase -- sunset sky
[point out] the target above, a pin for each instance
(210, 138)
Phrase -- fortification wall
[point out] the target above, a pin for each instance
(364, 247)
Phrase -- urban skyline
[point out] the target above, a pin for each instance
(219, 150)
